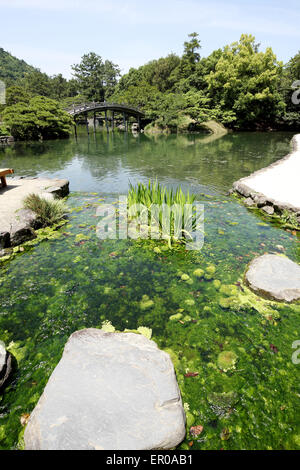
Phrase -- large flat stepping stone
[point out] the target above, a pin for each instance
(109, 391)
(274, 277)
(5, 364)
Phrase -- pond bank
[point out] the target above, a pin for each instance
(17, 224)
(275, 189)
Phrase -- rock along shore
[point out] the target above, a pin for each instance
(17, 224)
(275, 189)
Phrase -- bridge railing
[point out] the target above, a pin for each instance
(89, 106)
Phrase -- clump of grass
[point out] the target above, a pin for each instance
(289, 219)
(154, 194)
(49, 212)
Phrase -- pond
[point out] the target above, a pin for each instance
(75, 281)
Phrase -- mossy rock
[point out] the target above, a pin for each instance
(198, 273)
(226, 302)
(189, 302)
(210, 269)
(190, 419)
(173, 356)
(229, 290)
(217, 284)
(146, 304)
(227, 360)
(187, 318)
(17, 350)
(175, 317)
(208, 276)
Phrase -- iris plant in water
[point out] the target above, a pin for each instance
(167, 213)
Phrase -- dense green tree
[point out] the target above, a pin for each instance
(111, 72)
(142, 95)
(190, 56)
(41, 118)
(246, 81)
(290, 92)
(59, 87)
(37, 83)
(160, 73)
(73, 89)
(16, 94)
(96, 78)
(11, 68)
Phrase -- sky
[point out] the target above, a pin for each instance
(52, 35)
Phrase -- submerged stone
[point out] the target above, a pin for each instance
(227, 360)
(208, 276)
(217, 283)
(109, 391)
(229, 290)
(175, 317)
(146, 302)
(198, 273)
(225, 302)
(274, 277)
(211, 269)
(189, 302)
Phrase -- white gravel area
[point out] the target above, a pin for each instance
(280, 182)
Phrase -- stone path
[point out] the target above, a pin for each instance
(11, 197)
(16, 223)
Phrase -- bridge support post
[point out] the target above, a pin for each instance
(94, 122)
(106, 122)
(87, 124)
(124, 121)
(139, 123)
(75, 128)
(113, 120)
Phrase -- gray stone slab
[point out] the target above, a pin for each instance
(274, 277)
(109, 391)
(12, 197)
(5, 364)
(268, 210)
(249, 202)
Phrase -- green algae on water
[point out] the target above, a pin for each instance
(64, 285)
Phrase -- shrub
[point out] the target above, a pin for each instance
(48, 212)
(41, 118)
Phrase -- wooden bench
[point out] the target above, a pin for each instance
(3, 173)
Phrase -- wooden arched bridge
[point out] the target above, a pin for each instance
(114, 108)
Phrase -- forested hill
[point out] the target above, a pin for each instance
(11, 68)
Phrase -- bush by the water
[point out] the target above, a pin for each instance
(48, 212)
(39, 118)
